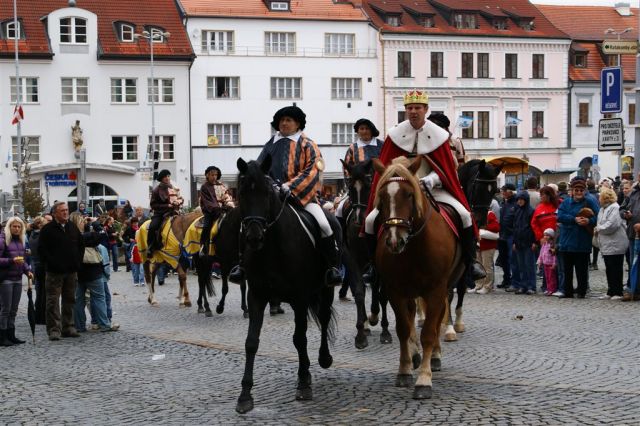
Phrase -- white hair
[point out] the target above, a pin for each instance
(7, 230)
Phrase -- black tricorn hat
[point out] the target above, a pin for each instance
(441, 120)
(363, 121)
(163, 174)
(289, 111)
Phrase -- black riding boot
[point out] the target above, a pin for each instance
(332, 254)
(371, 243)
(3, 339)
(469, 250)
(236, 275)
(11, 336)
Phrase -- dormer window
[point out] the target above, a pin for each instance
(500, 23)
(425, 21)
(527, 24)
(464, 21)
(11, 32)
(126, 32)
(279, 6)
(157, 34)
(580, 60)
(392, 20)
(73, 30)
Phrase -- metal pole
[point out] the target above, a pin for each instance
(82, 181)
(636, 143)
(18, 104)
(621, 115)
(154, 150)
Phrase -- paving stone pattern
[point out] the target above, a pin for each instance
(565, 362)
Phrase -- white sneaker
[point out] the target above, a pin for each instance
(605, 297)
(558, 294)
(483, 291)
(471, 290)
(616, 297)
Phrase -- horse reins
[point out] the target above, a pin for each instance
(476, 181)
(262, 221)
(406, 223)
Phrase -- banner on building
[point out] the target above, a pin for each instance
(513, 121)
(464, 122)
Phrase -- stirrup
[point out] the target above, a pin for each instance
(477, 271)
(333, 277)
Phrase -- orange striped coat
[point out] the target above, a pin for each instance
(358, 154)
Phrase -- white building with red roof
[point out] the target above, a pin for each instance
(586, 61)
(257, 56)
(81, 61)
(494, 61)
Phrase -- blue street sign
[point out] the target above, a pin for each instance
(611, 90)
(594, 159)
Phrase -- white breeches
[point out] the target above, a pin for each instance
(441, 196)
(340, 207)
(318, 214)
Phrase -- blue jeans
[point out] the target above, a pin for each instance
(560, 271)
(114, 256)
(526, 260)
(137, 271)
(127, 253)
(98, 304)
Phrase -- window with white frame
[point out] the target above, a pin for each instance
(404, 64)
(583, 113)
(537, 124)
(511, 131)
(511, 65)
(157, 34)
(217, 41)
(437, 64)
(483, 124)
(28, 90)
(392, 20)
(165, 145)
(225, 134)
(537, 70)
(342, 133)
(286, 88)
(11, 31)
(467, 132)
(30, 149)
(73, 30)
(123, 91)
(161, 90)
(124, 148)
(339, 44)
(279, 43)
(75, 90)
(280, 6)
(346, 88)
(223, 87)
(127, 33)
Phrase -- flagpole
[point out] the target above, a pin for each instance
(18, 104)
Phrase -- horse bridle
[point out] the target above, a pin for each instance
(401, 222)
(476, 181)
(261, 221)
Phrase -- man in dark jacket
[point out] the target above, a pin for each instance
(523, 244)
(211, 209)
(162, 206)
(61, 250)
(505, 242)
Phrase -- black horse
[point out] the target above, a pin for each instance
(226, 254)
(280, 261)
(355, 254)
(479, 182)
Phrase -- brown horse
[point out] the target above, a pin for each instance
(417, 257)
(179, 227)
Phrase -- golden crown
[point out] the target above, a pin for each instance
(416, 97)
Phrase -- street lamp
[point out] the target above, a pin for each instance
(153, 36)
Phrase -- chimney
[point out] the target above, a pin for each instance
(623, 9)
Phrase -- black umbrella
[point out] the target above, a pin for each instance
(31, 312)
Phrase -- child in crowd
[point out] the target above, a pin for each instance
(547, 261)
(106, 276)
(136, 267)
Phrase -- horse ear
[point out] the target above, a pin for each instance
(265, 166)
(498, 169)
(482, 164)
(415, 165)
(242, 165)
(378, 166)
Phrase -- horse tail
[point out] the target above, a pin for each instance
(204, 265)
(315, 313)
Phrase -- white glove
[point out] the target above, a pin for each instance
(427, 182)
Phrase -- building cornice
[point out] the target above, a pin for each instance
(476, 43)
(498, 92)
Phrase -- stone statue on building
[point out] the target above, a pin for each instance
(76, 136)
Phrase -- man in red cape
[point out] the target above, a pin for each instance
(419, 136)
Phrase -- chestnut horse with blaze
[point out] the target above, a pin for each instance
(417, 257)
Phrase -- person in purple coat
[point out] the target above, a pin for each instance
(12, 267)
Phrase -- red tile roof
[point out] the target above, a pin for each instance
(485, 10)
(157, 13)
(300, 9)
(588, 36)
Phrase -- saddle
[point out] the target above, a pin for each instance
(308, 222)
(451, 216)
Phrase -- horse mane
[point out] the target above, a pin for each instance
(398, 169)
(465, 171)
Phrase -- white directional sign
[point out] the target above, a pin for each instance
(610, 134)
(620, 47)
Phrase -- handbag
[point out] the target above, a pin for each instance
(594, 241)
(91, 256)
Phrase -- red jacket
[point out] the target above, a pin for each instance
(494, 226)
(544, 217)
(135, 255)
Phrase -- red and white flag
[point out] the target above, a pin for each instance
(18, 114)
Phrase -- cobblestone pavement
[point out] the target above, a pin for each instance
(564, 362)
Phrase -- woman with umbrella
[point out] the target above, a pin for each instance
(12, 267)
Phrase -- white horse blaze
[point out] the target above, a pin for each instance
(392, 190)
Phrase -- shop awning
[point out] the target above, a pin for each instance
(510, 165)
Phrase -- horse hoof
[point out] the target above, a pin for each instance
(201, 310)
(154, 304)
(245, 314)
(305, 394)
(404, 380)
(385, 338)
(422, 392)
(459, 328)
(325, 361)
(416, 359)
(420, 323)
(208, 314)
(436, 364)
(367, 332)
(187, 304)
(219, 309)
(244, 406)
(373, 320)
(361, 341)
(450, 337)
